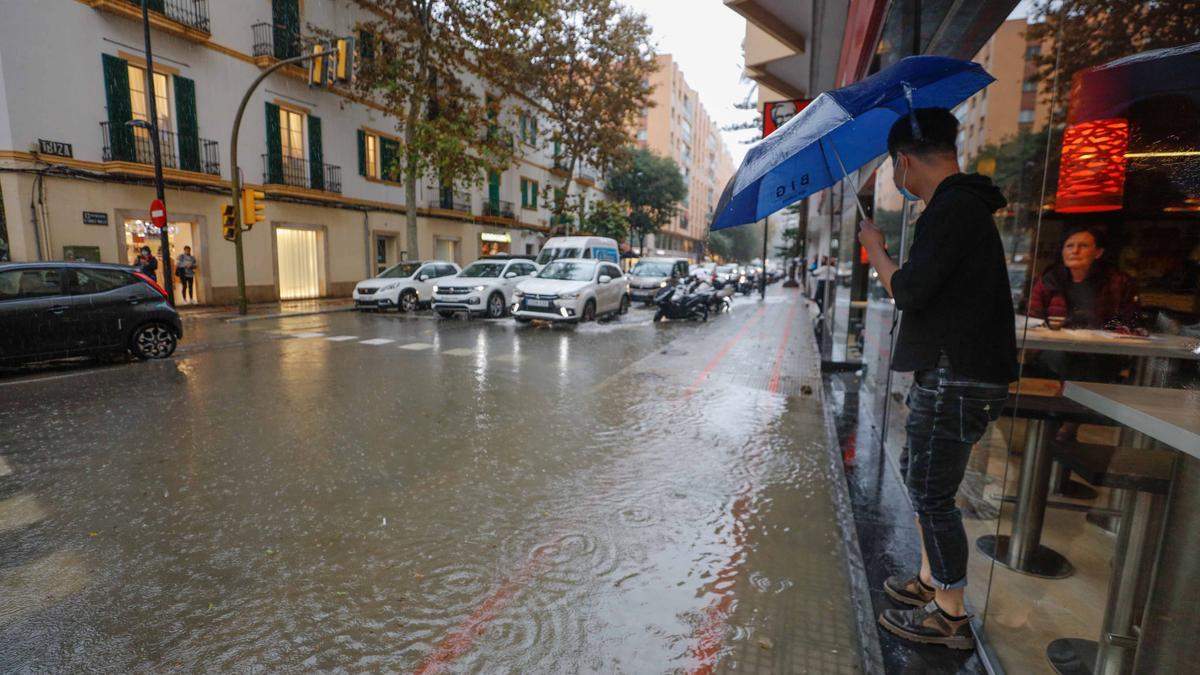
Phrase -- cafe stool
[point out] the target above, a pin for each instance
(1022, 551)
(1145, 475)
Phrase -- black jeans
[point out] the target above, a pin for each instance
(946, 416)
(186, 289)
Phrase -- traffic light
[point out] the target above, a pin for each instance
(252, 208)
(228, 224)
(316, 66)
(344, 66)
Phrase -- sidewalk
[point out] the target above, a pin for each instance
(267, 310)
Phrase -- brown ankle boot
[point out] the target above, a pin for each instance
(910, 592)
(929, 625)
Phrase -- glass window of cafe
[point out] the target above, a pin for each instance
(1092, 132)
(494, 243)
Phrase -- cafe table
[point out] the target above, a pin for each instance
(1166, 639)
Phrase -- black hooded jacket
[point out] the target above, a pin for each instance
(954, 288)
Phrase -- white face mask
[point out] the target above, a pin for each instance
(903, 179)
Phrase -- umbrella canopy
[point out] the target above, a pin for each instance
(838, 132)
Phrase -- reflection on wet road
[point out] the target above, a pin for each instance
(363, 492)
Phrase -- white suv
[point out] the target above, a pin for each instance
(572, 290)
(485, 287)
(406, 286)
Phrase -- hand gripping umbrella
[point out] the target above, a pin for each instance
(840, 131)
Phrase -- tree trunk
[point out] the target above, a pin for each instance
(410, 186)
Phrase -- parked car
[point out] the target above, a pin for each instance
(572, 290)
(588, 248)
(726, 273)
(406, 286)
(53, 310)
(484, 287)
(651, 274)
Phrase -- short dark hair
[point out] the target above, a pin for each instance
(1097, 234)
(938, 133)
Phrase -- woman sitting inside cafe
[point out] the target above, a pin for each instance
(1083, 291)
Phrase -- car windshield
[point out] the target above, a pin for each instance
(549, 254)
(568, 271)
(652, 269)
(401, 271)
(726, 269)
(483, 269)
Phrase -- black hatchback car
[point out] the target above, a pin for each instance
(52, 310)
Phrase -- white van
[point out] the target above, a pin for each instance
(588, 248)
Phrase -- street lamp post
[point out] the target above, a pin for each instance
(164, 237)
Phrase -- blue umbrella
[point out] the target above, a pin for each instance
(840, 131)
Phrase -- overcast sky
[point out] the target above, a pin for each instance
(705, 38)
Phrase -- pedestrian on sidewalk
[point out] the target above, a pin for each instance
(957, 338)
(824, 275)
(147, 263)
(185, 269)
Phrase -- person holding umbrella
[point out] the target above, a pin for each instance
(957, 338)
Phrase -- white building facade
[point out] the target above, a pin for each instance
(76, 178)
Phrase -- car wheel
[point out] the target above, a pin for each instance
(408, 302)
(495, 306)
(445, 314)
(153, 341)
(624, 305)
(589, 311)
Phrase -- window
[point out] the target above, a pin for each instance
(371, 148)
(291, 133)
(87, 281)
(641, 135)
(446, 271)
(529, 194)
(1029, 85)
(529, 129)
(25, 284)
(141, 106)
(1026, 117)
(611, 270)
(1032, 51)
(429, 271)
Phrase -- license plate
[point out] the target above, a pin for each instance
(538, 303)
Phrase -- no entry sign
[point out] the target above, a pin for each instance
(158, 213)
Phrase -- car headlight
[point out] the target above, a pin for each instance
(662, 284)
(742, 280)
(568, 296)
(435, 289)
(518, 294)
(391, 287)
(480, 288)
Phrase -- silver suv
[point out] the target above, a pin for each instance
(651, 274)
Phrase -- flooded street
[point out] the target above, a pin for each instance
(353, 493)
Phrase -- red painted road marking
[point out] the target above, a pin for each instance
(721, 353)
(710, 632)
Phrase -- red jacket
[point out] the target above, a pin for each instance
(1116, 297)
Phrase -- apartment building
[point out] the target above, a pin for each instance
(1014, 102)
(76, 170)
(678, 126)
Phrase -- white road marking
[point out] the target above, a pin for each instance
(5, 469)
(38, 584)
(376, 341)
(306, 336)
(461, 351)
(20, 511)
(506, 358)
(417, 346)
(54, 377)
(342, 338)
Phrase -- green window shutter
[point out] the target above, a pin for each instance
(494, 190)
(285, 19)
(366, 46)
(120, 109)
(524, 193)
(362, 153)
(524, 129)
(533, 130)
(533, 194)
(186, 124)
(274, 146)
(316, 155)
(155, 5)
(388, 152)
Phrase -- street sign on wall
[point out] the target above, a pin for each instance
(775, 113)
(95, 218)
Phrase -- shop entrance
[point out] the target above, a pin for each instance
(387, 252)
(139, 233)
(494, 243)
(300, 261)
(446, 249)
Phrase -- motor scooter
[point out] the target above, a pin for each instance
(676, 304)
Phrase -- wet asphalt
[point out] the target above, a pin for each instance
(358, 492)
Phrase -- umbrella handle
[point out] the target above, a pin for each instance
(846, 176)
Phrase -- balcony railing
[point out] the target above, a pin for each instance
(275, 41)
(498, 208)
(446, 198)
(299, 173)
(134, 144)
(192, 13)
(588, 173)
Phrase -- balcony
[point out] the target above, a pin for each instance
(587, 173)
(187, 19)
(448, 200)
(300, 173)
(498, 208)
(134, 144)
(274, 43)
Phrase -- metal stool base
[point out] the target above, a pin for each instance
(1072, 656)
(1045, 561)
(1073, 489)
